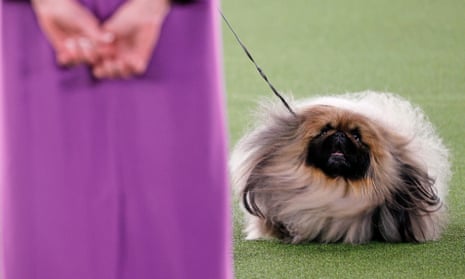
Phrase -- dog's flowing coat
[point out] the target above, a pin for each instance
(352, 168)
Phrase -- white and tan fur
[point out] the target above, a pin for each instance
(295, 203)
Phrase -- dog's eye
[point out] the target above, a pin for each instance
(325, 130)
(356, 135)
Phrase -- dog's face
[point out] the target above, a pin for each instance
(339, 142)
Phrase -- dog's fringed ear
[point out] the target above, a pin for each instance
(262, 148)
(248, 197)
(405, 216)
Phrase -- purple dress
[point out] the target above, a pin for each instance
(114, 179)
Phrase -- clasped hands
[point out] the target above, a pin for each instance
(120, 47)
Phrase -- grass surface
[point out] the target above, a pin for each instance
(308, 48)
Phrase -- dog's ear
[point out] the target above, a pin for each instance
(405, 215)
(248, 196)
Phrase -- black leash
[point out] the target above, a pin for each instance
(260, 71)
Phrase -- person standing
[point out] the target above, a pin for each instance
(114, 141)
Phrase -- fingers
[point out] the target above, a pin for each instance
(71, 28)
(136, 32)
(101, 56)
(80, 46)
(136, 64)
(89, 45)
(112, 69)
(111, 59)
(77, 50)
(121, 67)
(87, 50)
(128, 56)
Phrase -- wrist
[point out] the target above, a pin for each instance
(48, 2)
(155, 10)
(44, 5)
(153, 5)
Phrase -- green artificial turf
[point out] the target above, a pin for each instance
(415, 48)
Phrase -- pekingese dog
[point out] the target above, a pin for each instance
(352, 168)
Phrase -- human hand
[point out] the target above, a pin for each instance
(73, 31)
(122, 47)
(136, 27)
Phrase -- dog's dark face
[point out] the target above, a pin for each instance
(338, 148)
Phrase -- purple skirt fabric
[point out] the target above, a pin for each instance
(114, 179)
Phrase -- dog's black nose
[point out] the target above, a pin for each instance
(340, 137)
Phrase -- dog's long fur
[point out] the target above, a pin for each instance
(400, 197)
